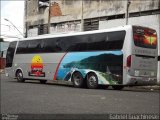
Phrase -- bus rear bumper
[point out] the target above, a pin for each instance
(141, 81)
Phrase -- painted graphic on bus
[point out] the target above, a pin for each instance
(145, 37)
(37, 67)
(107, 65)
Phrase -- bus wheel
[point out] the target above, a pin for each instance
(43, 81)
(117, 87)
(92, 81)
(78, 80)
(19, 76)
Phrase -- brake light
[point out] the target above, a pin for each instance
(129, 61)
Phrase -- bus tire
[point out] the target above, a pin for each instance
(19, 76)
(77, 80)
(43, 81)
(117, 87)
(92, 81)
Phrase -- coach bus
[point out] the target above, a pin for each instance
(158, 75)
(117, 57)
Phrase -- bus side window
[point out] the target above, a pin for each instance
(51, 45)
(77, 43)
(34, 46)
(22, 47)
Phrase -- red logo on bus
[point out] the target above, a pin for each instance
(37, 67)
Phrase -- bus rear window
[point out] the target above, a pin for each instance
(144, 37)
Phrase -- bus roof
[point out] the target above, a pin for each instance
(77, 33)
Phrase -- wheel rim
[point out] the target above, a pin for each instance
(92, 80)
(19, 76)
(77, 79)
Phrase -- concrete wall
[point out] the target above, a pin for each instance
(32, 8)
(68, 10)
(152, 21)
(60, 28)
(32, 32)
(66, 27)
(97, 8)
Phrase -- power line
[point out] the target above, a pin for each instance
(11, 26)
(14, 26)
(8, 36)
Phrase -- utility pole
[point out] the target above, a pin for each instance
(49, 16)
(82, 20)
(26, 21)
(127, 11)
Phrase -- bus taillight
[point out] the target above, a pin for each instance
(129, 61)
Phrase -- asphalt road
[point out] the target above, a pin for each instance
(36, 98)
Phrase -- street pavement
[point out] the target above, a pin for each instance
(32, 97)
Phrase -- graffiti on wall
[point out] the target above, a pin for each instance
(66, 27)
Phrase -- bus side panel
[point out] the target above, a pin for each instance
(127, 48)
(38, 66)
(107, 65)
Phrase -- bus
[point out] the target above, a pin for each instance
(117, 57)
(158, 75)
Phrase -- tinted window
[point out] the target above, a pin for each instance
(34, 46)
(106, 41)
(74, 43)
(30, 46)
(94, 42)
(10, 54)
(51, 45)
(158, 58)
(89, 42)
(22, 47)
(144, 37)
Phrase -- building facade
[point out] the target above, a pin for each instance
(55, 16)
(59, 16)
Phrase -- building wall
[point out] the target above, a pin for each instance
(68, 10)
(32, 32)
(66, 27)
(71, 9)
(65, 15)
